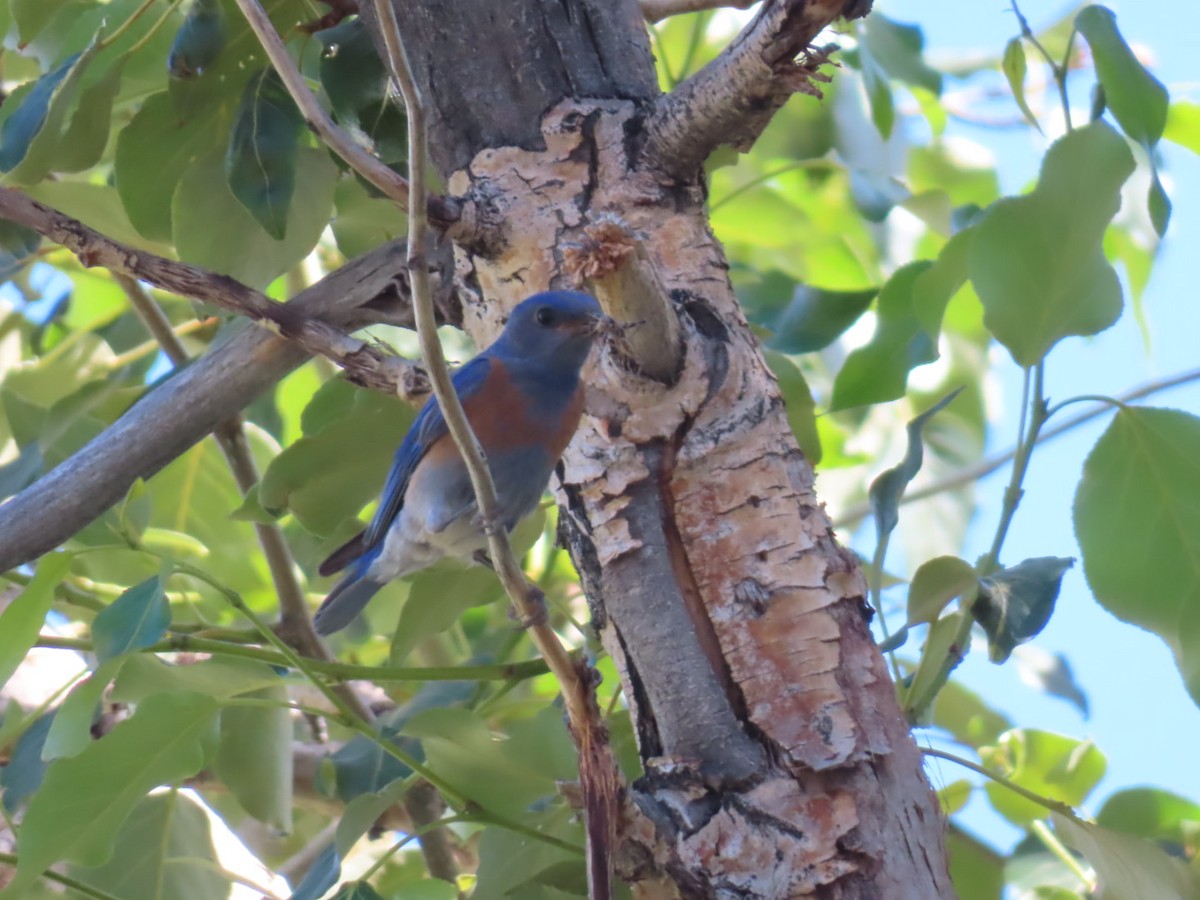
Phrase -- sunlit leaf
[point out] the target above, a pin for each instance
(79, 809)
(1137, 518)
(22, 619)
(1037, 261)
(1137, 99)
(801, 408)
(1053, 766)
(1152, 813)
(935, 584)
(1013, 66)
(1183, 125)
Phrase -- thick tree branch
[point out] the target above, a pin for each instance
(184, 408)
(731, 100)
(657, 10)
(363, 363)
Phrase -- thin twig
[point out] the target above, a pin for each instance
(295, 623)
(657, 10)
(81, 887)
(987, 466)
(363, 363)
(585, 723)
(1045, 802)
(443, 211)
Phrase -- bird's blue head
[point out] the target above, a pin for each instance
(555, 328)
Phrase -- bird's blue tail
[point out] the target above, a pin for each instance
(344, 602)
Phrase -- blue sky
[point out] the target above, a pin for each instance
(1141, 717)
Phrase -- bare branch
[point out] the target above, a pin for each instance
(186, 407)
(657, 10)
(443, 211)
(598, 772)
(363, 363)
(731, 100)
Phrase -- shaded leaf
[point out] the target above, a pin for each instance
(136, 619)
(359, 890)
(962, 713)
(85, 138)
(254, 757)
(879, 371)
(976, 870)
(436, 598)
(1015, 603)
(1051, 674)
(1137, 99)
(897, 48)
(1129, 868)
(1013, 66)
(83, 801)
(1051, 765)
(506, 860)
(1137, 518)
(199, 41)
(935, 583)
(260, 162)
(25, 770)
(320, 877)
(888, 487)
(357, 85)
(31, 134)
(1152, 813)
(1158, 203)
(939, 645)
(219, 677)
(1038, 262)
(164, 849)
(17, 246)
(212, 228)
(21, 621)
(815, 318)
(72, 729)
(801, 407)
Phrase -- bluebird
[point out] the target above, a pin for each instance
(523, 398)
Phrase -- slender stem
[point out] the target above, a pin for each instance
(1065, 856)
(1060, 69)
(354, 154)
(119, 32)
(1046, 802)
(295, 621)
(65, 880)
(991, 464)
(1086, 398)
(699, 23)
(404, 841)
(152, 30)
(767, 176)
(335, 671)
(526, 599)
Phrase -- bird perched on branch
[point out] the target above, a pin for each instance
(523, 398)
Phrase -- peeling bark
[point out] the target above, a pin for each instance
(777, 762)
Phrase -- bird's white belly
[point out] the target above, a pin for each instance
(411, 546)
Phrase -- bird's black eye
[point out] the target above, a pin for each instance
(545, 316)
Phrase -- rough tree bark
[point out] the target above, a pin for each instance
(777, 763)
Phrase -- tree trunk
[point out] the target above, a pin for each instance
(777, 763)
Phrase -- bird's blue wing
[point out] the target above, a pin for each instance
(428, 427)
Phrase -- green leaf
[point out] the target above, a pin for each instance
(1151, 813)
(1137, 99)
(153, 151)
(84, 141)
(358, 890)
(21, 621)
(164, 849)
(145, 675)
(879, 371)
(939, 645)
(135, 511)
(1137, 518)
(935, 584)
(260, 162)
(507, 859)
(363, 812)
(814, 318)
(31, 135)
(83, 801)
(1015, 603)
(25, 770)
(888, 487)
(1038, 262)
(357, 85)
(897, 48)
(199, 41)
(71, 732)
(1183, 125)
(254, 757)
(954, 796)
(309, 479)
(1158, 203)
(976, 870)
(1051, 765)
(962, 713)
(136, 619)
(436, 598)
(934, 288)
(879, 93)
(362, 222)
(1013, 66)
(801, 408)
(1128, 867)
(213, 229)
(17, 246)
